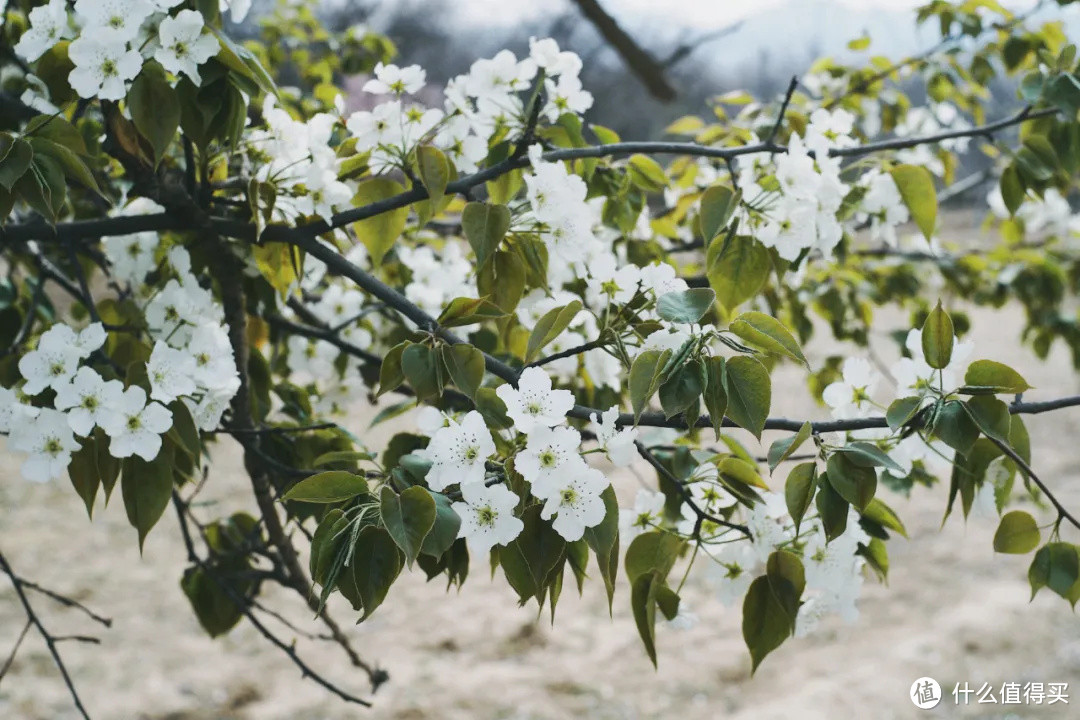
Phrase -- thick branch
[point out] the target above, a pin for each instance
(647, 68)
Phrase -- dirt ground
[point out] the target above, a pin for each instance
(953, 610)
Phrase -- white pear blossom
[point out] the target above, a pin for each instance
(213, 404)
(13, 411)
(577, 503)
(618, 444)
(646, 513)
(89, 400)
(549, 455)
(238, 9)
(52, 364)
(534, 403)
(487, 516)
(394, 80)
(103, 65)
(184, 46)
(49, 24)
(851, 396)
(660, 277)
(458, 452)
(429, 420)
(214, 366)
(112, 20)
(135, 427)
(48, 441)
(171, 373)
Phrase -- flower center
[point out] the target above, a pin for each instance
(89, 402)
(568, 496)
(486, 516)
(534, 408)
(53, 447)
(471, 453)
(108, 68)
(180, 49)
(56, 369)
(134, 423)
(548, 459)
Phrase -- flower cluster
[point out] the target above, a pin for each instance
(799, 208)
(550, 460)
(113, 38)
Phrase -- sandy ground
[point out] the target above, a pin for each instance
(953, 610)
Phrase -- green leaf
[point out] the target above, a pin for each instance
(604, 541)
(832, 509)
(534, 554)
(434, 171)
(485, 225)
(682, 389)
(916, 186)
(765, 622)
(653, 551)
(787, 579)
(769, 334)
(991, 416)
(784, 448)
(1055, 566)
(855, 483)
(685, 306)
(342, 457)
(16, 162)
(420, 364)
(799, 490)
(901, 411)
(73, 165)
(737, 269)
(937, 338)
(867, 455)
(1064, 93)
(408, 518)
(749, 393)
(155, 108)
(84, 474)
(954, 427)
(986, 377)
(1012, 189)
(332, 486)
(376, 563)
(491, 406)
(444, 531)
(503, 279)
(550, 326)
(644, 380)
(468, 311)
(184, 429)
(885, 516)
(379, 232)
(147, 489)
(715, 395)
(241, 60)
(718, 204)
(646, 173)
(466, 366)
(643, 603)
(390, 373)
(1017, 534)
(216, 608)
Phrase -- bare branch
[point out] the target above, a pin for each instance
(643, 65)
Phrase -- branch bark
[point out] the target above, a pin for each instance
(644, 66)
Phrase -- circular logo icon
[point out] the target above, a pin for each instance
(925, 693)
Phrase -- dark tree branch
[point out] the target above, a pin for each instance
(290, 651)
(50, 640)
(643, 65)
